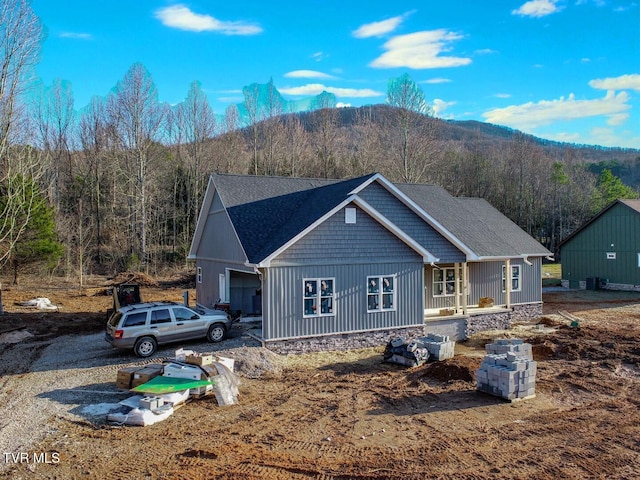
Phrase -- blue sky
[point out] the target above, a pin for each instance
(566, 70)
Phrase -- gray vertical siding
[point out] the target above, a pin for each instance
(219, 240)
(349, 253)
(208, 291)
(485, 280)
(402, 216)
(283, 299)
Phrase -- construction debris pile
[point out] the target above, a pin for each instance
(508, 370)
(161, 388)
(419, 351)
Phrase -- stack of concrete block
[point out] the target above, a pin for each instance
(409, 354)
(440, 347)
(508, 370)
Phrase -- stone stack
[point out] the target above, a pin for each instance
(508, 370)
(440, 347)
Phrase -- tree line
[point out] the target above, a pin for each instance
(119, 184)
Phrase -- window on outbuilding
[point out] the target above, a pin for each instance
(319, 297)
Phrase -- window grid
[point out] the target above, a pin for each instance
(381, 293)
(318, 297)
(515, 278)
(444, 282)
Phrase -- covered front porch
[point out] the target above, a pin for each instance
(469, 288)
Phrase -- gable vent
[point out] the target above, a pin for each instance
(349, 215)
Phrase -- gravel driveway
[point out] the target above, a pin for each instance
(44, 379)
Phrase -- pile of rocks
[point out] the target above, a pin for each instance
(508, 370)
(417, 352)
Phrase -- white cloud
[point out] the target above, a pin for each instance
(439, 106)
(420, 50)
(485, 51)
(436, 80)
(78, 36)
(319, 56)
(180, 17)
(318, 88)
(537, 8)
(378, 29)
(532, 115)
(502, 95)
(342, 105)
(308, 74)
(623, 82)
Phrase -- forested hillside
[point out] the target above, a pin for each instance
(119, 184)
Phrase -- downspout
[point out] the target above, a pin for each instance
(507, 282)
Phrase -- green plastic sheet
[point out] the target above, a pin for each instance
(160, 385)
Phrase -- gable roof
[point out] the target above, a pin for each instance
(475, 222)
(634, 205)
(268, 213)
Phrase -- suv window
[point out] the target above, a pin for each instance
(160, 316)
(135, 319)
(182, 314)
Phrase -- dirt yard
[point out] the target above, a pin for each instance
(340, 415)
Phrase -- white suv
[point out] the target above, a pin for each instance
(144, 326)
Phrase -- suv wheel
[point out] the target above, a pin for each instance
(217, 332)
(145, 346)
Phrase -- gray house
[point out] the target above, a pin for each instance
(335, 263)
(605, 251)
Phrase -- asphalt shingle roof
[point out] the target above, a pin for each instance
(267, 212)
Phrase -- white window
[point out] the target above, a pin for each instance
(515, 278)
(381, 293)
(199, 275)
(444, 282)
(319, 297)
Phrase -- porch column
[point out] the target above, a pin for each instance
(456, 289)
(465, 288)
(507, 282)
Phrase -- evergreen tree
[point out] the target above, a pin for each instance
(38, 241)
(611, 188)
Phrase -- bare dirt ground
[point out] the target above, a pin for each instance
(341, 415)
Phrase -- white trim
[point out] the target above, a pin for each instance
(390, 187)
(199, 274)
(317, 296)
(511, 277)
(381, 293)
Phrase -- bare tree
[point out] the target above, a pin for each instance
(409, 129)
(255, 114)
(137, 116)
(21, 37)
(324, 136)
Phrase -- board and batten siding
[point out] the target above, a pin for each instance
(283, 299)
(408, 221)
(219, 238)
(485, 280)
(616, 232)
(347, 253)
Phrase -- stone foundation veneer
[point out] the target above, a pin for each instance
(379, 338)
(343, 341)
